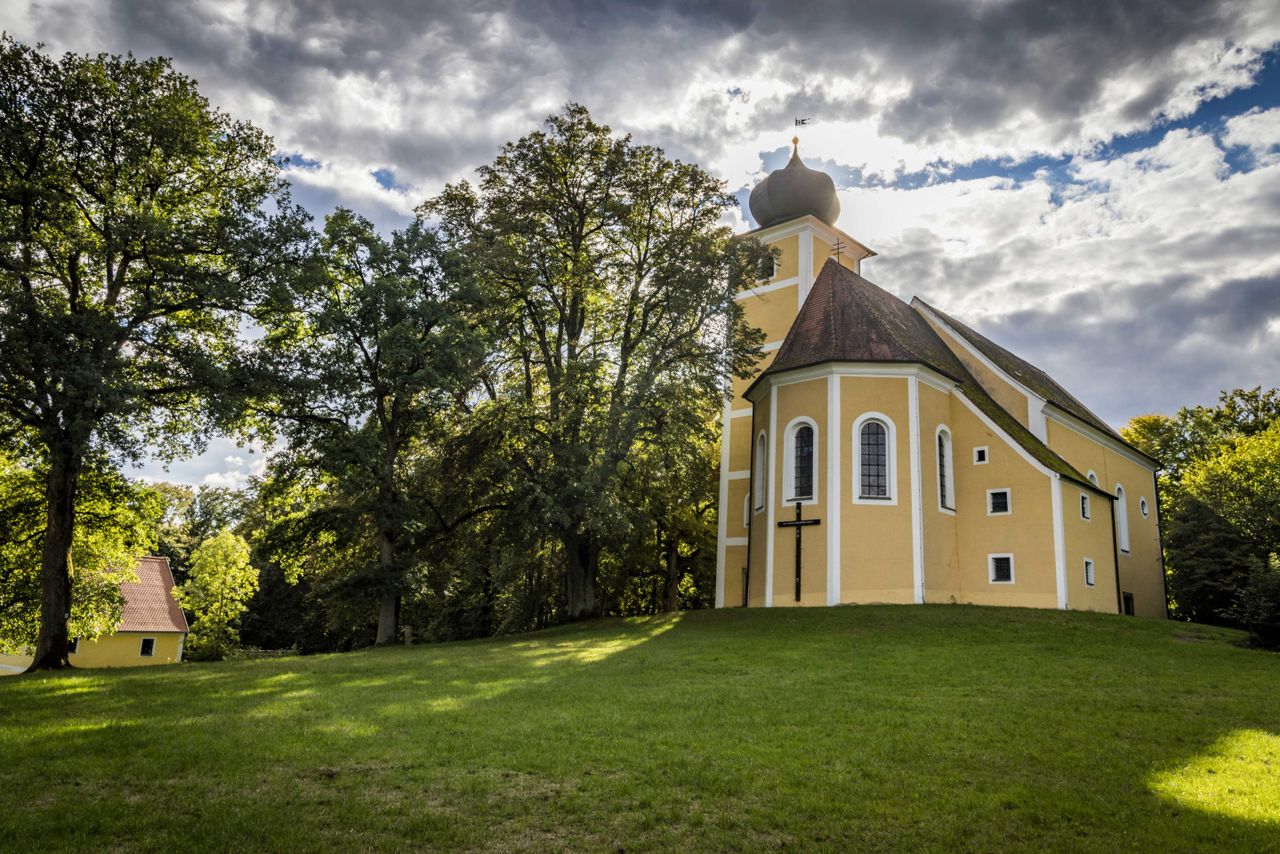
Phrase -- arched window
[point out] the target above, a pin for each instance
(762, 470)
(946, 485)
(874, 477)
(802, 461)
(1122, 519)
(1093, 478)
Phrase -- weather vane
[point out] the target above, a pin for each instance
(801, 122)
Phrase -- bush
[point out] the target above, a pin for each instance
(1259, 608)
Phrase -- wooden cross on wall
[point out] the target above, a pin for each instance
(799, 524)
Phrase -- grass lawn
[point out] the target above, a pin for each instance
(881, 728)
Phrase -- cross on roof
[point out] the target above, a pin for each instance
(837, 248)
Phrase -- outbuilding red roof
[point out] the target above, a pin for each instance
(149, 603)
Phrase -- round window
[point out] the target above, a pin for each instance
(1146, 511)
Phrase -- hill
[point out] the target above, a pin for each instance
(937, 727)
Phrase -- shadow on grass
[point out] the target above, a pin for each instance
(875, 727)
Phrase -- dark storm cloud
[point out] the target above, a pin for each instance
(1125, 352)
(962, 71)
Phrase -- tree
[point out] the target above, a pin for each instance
(612, 280)
(117, 522)
(221, 583)
(192, 515)
(136, 224)
(1242, 483)
(370, 366)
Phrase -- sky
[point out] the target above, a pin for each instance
(1095, 186)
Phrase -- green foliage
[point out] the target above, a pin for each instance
(1220, 496)
(610, 278)
(193, 515)
(118, 520)
(137, 226)
(220, 585)
(1259, 606)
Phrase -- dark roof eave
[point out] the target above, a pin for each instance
(746, 395)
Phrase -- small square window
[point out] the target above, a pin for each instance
(997, 502)
(148, 647)
(73, 646)
(1088, 572)
(1001, 567)
(1084, 506)
(980, 456)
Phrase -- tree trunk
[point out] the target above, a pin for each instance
(389, 604)
(671, 593)
(582, 597)
(55, 561)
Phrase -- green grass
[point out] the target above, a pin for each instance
(891, 728)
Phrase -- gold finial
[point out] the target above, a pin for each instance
(795, 140)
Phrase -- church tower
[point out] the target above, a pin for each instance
(795, 209)
(886, 452)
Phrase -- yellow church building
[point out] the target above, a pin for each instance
(925, 463)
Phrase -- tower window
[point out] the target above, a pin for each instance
(1088, 572)
(1001, 568)
(998, 503)
(761, 471)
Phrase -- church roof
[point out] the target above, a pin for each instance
(792, 192)
(1033, 378)
(848, 319)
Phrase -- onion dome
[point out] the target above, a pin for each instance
(794, 191)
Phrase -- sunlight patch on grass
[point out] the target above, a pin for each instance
(590, 650)
(1238, 777)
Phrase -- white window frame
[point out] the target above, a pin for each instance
(1086, 507)
(986, 455)
(746, 510)
(991, 569)
(1122, 519)
(949, 505)
(1008, 501)
(789, 461)
(890, 458)
(760, 473)
(1093, 478)
(1144, 507)
(142, 642)
(1090, 575)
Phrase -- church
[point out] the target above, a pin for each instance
(886, 452)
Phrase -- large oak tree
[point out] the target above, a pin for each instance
(137, 223)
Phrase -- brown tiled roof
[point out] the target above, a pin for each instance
(848, 319)
(1039, 382)
(149, 603)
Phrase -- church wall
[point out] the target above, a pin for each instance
(1141, 571)
(807, 399)
(1026, 533)
(788, 263)
(739, 442)
(773, 311)
(941, 555)
(822, 250)
(1000, 389)
(1088, 538)
(738, 490)
(735, 559)
(875, 540)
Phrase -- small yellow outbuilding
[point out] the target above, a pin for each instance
(152, 628)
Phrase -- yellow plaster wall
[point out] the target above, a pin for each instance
(739, 386)
(1005, 394)
(941, 550)
(1088, 538)
(759, 523)
(738, 491)
(788, 262)
(809, 399)
(121, 649)
(739, 431)
(772, 311)
(735, 559)
(875, 539)
(1140, 570)
(1026, 533)
(822, 251)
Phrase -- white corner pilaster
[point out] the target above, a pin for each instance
(917, 502)
(834, 432)
(1059, 540)
(726, 420)
(772, 486)
(806, 265)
